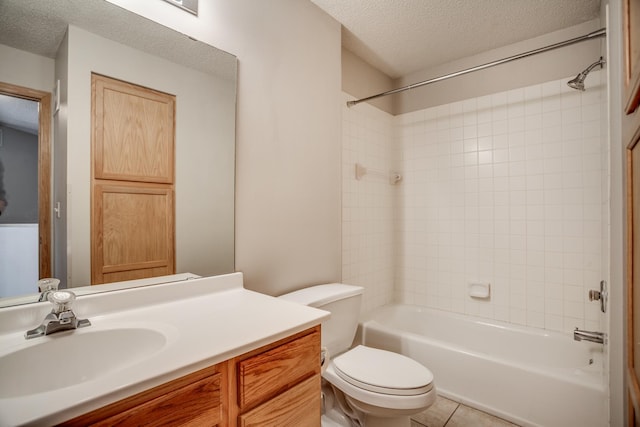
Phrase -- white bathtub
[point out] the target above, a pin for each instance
(531, 377)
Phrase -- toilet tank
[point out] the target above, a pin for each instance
(343, 301)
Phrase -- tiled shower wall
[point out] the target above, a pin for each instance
(368, 204)
(507, 189)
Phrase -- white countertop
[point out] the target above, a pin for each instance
(206, 321)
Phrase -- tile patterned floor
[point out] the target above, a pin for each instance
(445, 412)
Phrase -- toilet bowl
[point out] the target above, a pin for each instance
(379, 384)
(363, 386)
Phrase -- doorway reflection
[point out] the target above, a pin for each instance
(18, 195)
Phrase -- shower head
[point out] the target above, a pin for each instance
(578, 82)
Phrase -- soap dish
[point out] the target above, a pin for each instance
(479, 290)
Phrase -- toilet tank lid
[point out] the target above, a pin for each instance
(319, 295)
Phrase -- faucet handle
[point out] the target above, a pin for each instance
(600, 295)
(48, 284)
(61, 300)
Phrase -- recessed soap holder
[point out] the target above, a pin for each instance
(480, 290)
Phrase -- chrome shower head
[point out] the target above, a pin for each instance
(578, 82)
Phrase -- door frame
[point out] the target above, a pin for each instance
(44, 169)
(631, 139)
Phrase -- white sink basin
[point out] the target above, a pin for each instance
(69, 358)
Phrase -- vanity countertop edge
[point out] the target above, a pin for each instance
(215, 320)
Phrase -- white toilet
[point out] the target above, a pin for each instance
(363, 386)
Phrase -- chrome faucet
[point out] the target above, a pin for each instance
(597, 337)
(61, 318)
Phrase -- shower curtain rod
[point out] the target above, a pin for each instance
(599, 33)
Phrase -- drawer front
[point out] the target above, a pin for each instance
(297, 407)
(196, 404)
(264, 375)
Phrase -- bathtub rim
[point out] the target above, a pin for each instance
(592, 378)
(599, 387)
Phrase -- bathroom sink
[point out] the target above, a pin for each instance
(69, 358)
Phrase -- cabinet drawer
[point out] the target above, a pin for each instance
(196, 404)
(264, 375)
(297, 407)
(196, 399)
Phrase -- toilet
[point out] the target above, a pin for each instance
(362, 386)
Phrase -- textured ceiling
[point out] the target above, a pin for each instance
(38, 26)
(400, 37)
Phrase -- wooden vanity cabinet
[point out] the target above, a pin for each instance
(279, 385)
(276, 385)
(194, 400)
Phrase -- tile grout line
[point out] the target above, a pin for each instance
(451, 416)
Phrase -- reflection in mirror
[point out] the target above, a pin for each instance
(190, 6)
(18, 194)
(95, 36)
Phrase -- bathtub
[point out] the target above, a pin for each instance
(531, 377)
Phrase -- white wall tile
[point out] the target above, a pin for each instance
(368, 214)
(534, 156)
(506, 188)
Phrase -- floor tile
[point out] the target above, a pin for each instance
(469, 417)
(437, 414)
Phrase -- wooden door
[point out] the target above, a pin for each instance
(132, 193)
(631, 135)
(633, 278)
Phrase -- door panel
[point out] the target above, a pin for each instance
(133, 231)
(633, 294)
(134, 132)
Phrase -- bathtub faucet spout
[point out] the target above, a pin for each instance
(597, 337)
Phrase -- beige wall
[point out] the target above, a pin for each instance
(26, 69)
(288, 133)
(59, 184)
(359, 79)
(612, 18)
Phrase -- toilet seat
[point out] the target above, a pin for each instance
(382, 371)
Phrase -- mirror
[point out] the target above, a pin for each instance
(97, 36)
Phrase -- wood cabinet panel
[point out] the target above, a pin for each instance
(198, 404)
(134, 132)
(264, 375)
(194, 400)
(132, 231)
(297, 407)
